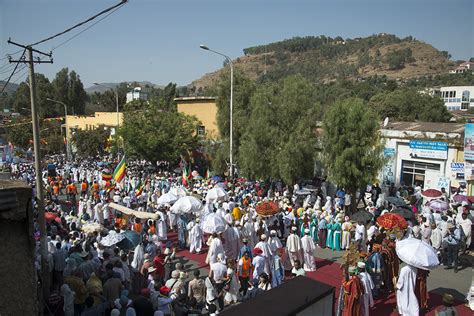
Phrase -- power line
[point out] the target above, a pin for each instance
(76, 35)
(13, 72)
(81, 23)
(8, 55)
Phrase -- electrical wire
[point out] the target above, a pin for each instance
(81, 23)
(13, 72)
(76, 35)
(6, 57)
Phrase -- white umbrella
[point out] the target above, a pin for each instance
(178, 191)
(417, 253)
(112, 238)
(187, 204)
(167, 198)
(216, 194)
(213, 223)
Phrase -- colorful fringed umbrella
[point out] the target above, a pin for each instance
(432, 194)
(391, 221)
(267, 208)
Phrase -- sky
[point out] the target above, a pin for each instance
(158, 40)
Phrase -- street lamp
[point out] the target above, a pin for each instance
(68, 153)
(231, 168)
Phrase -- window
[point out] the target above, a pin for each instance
(201, 130)
(465, 96)
(464, 105)
(413, 172)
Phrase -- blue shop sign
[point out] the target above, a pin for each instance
(429, 145)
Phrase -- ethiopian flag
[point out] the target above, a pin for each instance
(119, 172)
(185, 176)
(207, 175)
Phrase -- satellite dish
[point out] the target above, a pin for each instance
(385, 122)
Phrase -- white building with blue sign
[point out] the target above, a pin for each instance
(422, 153)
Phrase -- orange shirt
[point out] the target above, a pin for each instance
(96, 187)
(73, 189)
(245, 267)
(137, 227)
(83, 186)
(56, 189)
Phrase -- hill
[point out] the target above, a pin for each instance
(11, 87)
(324, 59)
(112, 85)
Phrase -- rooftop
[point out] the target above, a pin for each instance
(434, 127)
(195, 99)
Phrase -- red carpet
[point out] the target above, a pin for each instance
(330, 272)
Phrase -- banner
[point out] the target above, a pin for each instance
(469, 142)
(388, 172)
(429, 149)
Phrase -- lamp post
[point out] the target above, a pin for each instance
(117, 109)
(68, 153)
(231, 168)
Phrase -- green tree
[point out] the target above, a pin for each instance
(90, 143)
(153, 134)
(68, 88)
(352, 147)
(280, 140)
(43, 91)
(243, 90)
(409, 105)
(19, 133)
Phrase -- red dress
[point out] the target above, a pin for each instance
(352, 294)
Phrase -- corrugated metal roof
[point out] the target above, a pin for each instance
(434, 127)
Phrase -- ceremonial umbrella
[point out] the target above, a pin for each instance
(432, 194)
(438, 205)
(302, 192)
(111, 239)
(267, 208)
(459, 198)
(49, 216)
(130, 241)
(417, 253)
(216, 178)
(178, 191)
(392, 220)
(362, 216)
(187, 204)
(213, 223)
(405, 213)
(216, 194)
(167, 198)
(396, 201)
(90, 228)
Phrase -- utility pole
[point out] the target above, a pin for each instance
(38, 169)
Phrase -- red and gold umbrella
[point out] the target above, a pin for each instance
(391, 221)
(432, 194)
(49, 216)
(267, 208)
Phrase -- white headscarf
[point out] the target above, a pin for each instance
(138, 257)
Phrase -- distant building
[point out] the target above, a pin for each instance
(462, 68)
(428, 154)
(109, 120)
(136, 94)
(205, 110)
(457, 97)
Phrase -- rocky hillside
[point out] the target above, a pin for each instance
(324, 59)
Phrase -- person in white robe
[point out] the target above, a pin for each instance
(466, 225)
(407, 303)
(294, 247)
(259, 263)
(248, 231)
(274, 242)
(368, 284)
(266, 252)
(215, 248)
(138, 257)
(160, 225)
(195, 237)
(346, 233)
(308, 250)
(436, 237)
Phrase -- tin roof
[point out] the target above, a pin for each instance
(434, 127)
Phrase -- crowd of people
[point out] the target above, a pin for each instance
(250, 254)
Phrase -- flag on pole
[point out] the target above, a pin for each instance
(119, 172)
(185, 176)
(207, 175)
(139, 190)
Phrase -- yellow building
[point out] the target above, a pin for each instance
(108, 119)
(204, 109)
